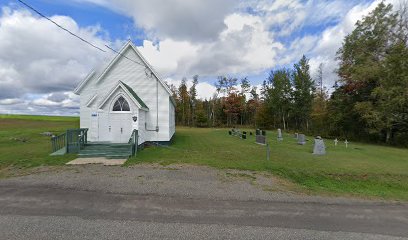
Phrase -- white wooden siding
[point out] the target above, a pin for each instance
(141, 120)
(135, 76)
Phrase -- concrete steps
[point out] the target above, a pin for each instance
(107, 150)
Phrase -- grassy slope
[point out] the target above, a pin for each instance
(34, 152)
(361, 170)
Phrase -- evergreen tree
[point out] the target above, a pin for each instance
(184, 101)
(303, 93)
(193, 98)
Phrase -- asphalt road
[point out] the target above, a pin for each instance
(47, 212)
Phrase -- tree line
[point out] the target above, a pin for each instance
(369, 102)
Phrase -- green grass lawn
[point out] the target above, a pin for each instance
(360, 170)
(23, 146)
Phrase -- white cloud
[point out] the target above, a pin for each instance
(184, 38)
(245, 46)
(194, 20)
(248, 44)
(36, 57)
(288, 16)
(168, 56)
(10, 101)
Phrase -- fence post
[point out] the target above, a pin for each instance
(79, 139)
(268, 152)
(136, 141)
(52, 144)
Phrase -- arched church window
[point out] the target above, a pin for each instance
(121, 105)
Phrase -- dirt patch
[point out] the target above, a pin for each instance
(262, 180)
(178, 180)
(103, 161)
(10, 172)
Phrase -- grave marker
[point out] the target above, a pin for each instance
(301, 139)
(346, 142)
(319, 148)
(280, 138)
(335, 142)
(260, 137)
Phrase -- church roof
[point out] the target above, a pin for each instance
(129, 91)
(133, 93)
(101, 71)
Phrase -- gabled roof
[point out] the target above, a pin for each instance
(114, 60)
(172, 101)
(83, 82)
(129, 91)
(91, 100)
(135, 95)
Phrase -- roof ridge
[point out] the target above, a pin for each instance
(134, 95)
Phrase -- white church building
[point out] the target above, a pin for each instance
(125, 95)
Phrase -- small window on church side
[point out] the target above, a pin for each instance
(121, 105)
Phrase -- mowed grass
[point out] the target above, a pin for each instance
(360, 170)
(23, 146)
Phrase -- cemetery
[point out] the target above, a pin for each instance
(346, 168)
(316, 165)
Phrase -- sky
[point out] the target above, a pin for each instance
(40, 64)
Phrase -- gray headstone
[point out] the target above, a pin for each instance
(296, 135)
(319, 147)
(301, 139)
(280, 138)
(260, 139)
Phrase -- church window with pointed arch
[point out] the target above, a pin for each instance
(121, 105)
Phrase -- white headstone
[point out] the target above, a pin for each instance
(319, 148)
(280, 138)
(335, 142)
(346, 142)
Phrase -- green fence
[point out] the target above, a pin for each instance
(58, 142)
(72, 140)
(133, 141)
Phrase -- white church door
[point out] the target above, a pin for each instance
(120, 121)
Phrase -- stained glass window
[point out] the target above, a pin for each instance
(121, 105)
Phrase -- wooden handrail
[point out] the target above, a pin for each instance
(72, 140)
(133, 141)
(58, 142)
